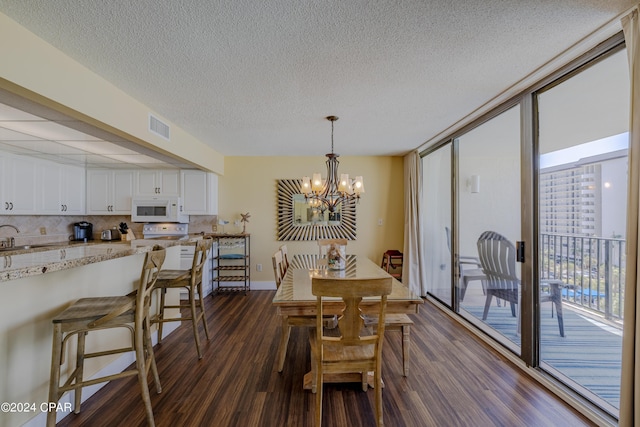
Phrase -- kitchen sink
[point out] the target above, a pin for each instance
(36, 246)
(16, 248)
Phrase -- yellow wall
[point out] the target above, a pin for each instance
(250, 185)
(37, 71)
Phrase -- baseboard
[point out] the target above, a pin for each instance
(263, 286)
(118, 365)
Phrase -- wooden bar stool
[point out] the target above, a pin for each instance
(93, 314)
(191, 280)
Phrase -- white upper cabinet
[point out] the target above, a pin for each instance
(155, 182)
(18, 187)
(199, 192)
(74, 190)
(109, 192)
(60, 189)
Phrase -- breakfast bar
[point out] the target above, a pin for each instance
(41, 282)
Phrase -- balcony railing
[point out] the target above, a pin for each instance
(591, 268)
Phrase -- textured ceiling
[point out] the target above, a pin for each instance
(258, 77)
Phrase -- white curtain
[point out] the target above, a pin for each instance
(413, 274)
(630, 383)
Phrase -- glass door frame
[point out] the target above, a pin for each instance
(529, 170)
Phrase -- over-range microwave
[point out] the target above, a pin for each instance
(157, 209)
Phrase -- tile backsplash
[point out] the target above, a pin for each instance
(60, 228)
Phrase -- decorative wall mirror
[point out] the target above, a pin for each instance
(301, 220)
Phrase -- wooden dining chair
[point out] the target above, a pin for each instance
(191, 280)
(276, 259)
(290, 321)
(285, 258)
(396, 322)
(354, 348)
(88, 315)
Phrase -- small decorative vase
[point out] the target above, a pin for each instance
(336, 257)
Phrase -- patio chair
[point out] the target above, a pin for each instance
(498, 260)
(469, 269)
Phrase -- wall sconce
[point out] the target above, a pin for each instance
(475, 183)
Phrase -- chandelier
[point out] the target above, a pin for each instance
(330, 193)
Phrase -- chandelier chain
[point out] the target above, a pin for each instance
(332, 136)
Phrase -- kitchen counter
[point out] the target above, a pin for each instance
(52, 257)
(38, 284)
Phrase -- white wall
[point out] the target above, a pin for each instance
(491, 151)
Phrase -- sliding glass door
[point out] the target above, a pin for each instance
(583, 152)
(550, 170)
(436, 173)
(489, 212)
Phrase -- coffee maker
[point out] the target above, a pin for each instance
(82, 231)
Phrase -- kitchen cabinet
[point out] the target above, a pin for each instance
(18, 187)
(109, 192)
(155, 182)
(199, 192)
(232, 263)
(61, 189)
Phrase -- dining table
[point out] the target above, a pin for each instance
(294, 296)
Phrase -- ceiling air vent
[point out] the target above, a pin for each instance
(159, 127)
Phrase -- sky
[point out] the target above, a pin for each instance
(588, 149)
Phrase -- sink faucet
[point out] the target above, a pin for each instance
(10, 242)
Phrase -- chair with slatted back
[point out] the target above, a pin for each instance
(354, 348)
(191, 280)
(285, 258)
(469, 269)
(276, 259)
(290, 321)
(498, 259)
(396, 322)
(88, 315)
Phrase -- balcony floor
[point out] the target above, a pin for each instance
(589, 354)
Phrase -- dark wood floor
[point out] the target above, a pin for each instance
(455, 380)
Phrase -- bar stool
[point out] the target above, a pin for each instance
(92, 314)
(191, 280)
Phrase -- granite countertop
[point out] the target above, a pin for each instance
(33, 261)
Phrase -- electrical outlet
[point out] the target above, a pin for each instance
(237, 223)
(43, 230)
(214, 228)
(380, 221)
(258, 267)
